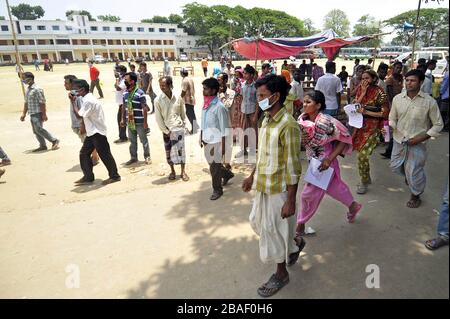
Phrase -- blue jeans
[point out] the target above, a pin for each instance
(442, 228)
(331, 112)
(3, 155)
(132, 136)
(41, 133)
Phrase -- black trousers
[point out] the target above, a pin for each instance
(122, 130)
(100, 143)
(190, 113)
(216, 168)
(443, 107)
(96, 84)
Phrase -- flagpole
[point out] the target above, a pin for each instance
(415, 34)
(257, 53)
(18, 59)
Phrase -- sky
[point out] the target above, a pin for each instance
(140, 9)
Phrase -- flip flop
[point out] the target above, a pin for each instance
(351, 217)
(172, 177)
(414, 203)
(294, 256)
(271, 287)
(436, 243)
(185, 177)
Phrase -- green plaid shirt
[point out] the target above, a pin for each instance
(278, 162)
(34, 98)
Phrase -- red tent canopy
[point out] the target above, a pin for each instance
(279, 48)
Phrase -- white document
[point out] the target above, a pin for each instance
(355, 119)
(316, 177)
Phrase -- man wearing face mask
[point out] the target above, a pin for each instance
(215, 136)
(120, 90)
(94, 119)
(36, 107)
(275, 178)
(134, 113)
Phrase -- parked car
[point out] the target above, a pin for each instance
(184, 57)
(99, 59)
(438, 55)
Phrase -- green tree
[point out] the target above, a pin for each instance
(432, 29)
(368, 25)
(24, 11)
(337, 20)
(160, 19)
(109, 18)
(82, 12)
(309, 27)
(147, 20)
(176, 19)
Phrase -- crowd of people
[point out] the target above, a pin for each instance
(272, 117)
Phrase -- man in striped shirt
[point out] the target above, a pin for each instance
(134, 115)
(275, 178)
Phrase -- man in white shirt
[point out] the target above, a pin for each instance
(414, 117)
(171, 116)
(330, 85)
(94, 123)
(427, 86)
(121, 88)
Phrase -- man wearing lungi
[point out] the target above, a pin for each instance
(415, 118)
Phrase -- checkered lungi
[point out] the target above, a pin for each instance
(174, 146)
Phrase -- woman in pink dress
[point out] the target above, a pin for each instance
(324, 138)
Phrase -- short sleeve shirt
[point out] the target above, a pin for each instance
(248, 105)
(138, 102)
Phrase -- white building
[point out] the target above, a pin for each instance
(82, 39)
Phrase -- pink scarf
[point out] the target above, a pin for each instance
(207, 101)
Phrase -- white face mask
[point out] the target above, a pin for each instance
(265, 104)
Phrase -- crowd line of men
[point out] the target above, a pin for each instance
(273, 118)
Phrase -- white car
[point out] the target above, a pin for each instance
(438, 55)
(183, 58)
(99, 59)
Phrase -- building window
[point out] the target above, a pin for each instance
(170, 42)
(41, 42)
(158, 42)
(21, 42)
(41, 27)
(74, 42)
(151, 29)
(118, 42)
(6, 57)
(5, 28)
(63, 41)
(55, 27)
(129, 29)
(31, 42)
(162, 30)
(145, 42)
(138, 42)
(141, 29)
(3, 42)
(28, 28)
(106, 29)
(172, 30)
(110, 42)
(132, 42)
(94, 29)
(118, 29)
(68, 28)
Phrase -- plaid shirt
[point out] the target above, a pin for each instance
(278, 162)
(35, 97)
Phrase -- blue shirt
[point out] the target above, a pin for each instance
(215, 122)
(444, 87)
(139, 102)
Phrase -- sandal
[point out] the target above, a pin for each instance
(351, 216)
(294, 256)
(271, 287)
(172, 177)
(414, 202)
(185, 177)
(436, 243)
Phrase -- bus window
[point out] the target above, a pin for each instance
(437, 56)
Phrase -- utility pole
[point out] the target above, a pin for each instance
(18, 58)
(415, 34)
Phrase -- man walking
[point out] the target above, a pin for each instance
(188, 95)
(330, 85)
(145, 83)
(214, 134)
(205, 66)
(134, 114)
(170, 117)
(415, 118)
(94, 119)
(36, 107)
(95, 81)
(276, 177)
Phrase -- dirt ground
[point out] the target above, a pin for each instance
(146, 237)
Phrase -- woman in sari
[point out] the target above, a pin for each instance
(236, 106)
(324, 138)
(374, 108)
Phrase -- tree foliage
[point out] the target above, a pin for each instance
(216, 25)
(24, 11)
(338, 21)
(309, 27)
(82, 12)
(368, 25)
(109, 18)
(432, 29)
